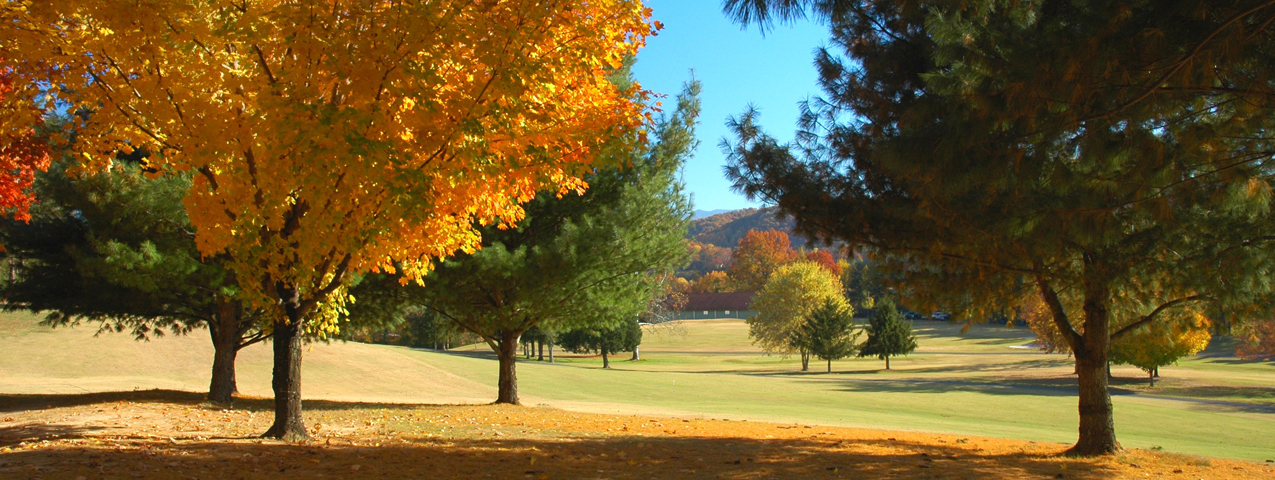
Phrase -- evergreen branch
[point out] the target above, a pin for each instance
(255, 338)
(489, 340)
(1179, 65)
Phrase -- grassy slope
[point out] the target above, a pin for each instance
(974, 384)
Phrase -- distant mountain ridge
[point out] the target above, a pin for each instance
(725, 229)
(707, 213)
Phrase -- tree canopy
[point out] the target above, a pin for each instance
(606, 340)
(1111, 155)
(590, 260)
(829, 333)
(759, 254)
(1163, 343)
(784, 304)
(22, 151)
(115, 248)
(328, 142)
(889, 334)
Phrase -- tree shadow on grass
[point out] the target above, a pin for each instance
(28, 433)
(611, 457)
(1019, 387)
(23, 402)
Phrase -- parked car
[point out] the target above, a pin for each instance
(940, 316)
(912, 316)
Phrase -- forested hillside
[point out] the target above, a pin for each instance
(725, 229)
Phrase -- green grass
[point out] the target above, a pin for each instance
(973, 384)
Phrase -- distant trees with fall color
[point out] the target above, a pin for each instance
(784, 304)
(1256, 340)
(759, 254)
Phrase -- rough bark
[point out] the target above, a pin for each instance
(887, 362)
(606, 361)
(541, 358)
(1097, 424)
(288, 337)
(805, 361)
(508, 355)
(223, 386)
(550, 352)
(829, 366)
(226, 337)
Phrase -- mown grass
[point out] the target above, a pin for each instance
(973, 384)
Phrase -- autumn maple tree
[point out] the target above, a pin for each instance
(22, 152)
(824, 259)
(759, 253)
(333, 139)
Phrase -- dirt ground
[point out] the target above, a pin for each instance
(166, 434)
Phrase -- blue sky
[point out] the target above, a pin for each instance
(736, 67)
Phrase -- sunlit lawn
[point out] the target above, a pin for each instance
(975, 384)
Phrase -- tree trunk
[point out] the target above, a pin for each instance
(550, 352)
(508, 368)
(805, 361)
(606, 361)
(226, 336)
(887, 362)
(1097, 424)
(829, 365)
(1151, 376)
(636, 357)
(288, 424)
(541, 358)
(223, 386)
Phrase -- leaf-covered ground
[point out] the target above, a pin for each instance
(164, 434)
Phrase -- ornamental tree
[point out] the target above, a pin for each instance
(1115, 153)
(331, 141)
(784, 304)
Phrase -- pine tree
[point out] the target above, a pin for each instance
(829, 332)
(1110, 155)
(888, 334)
(625, 337)
(784, 303)
(592, 260)
(117, 250)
